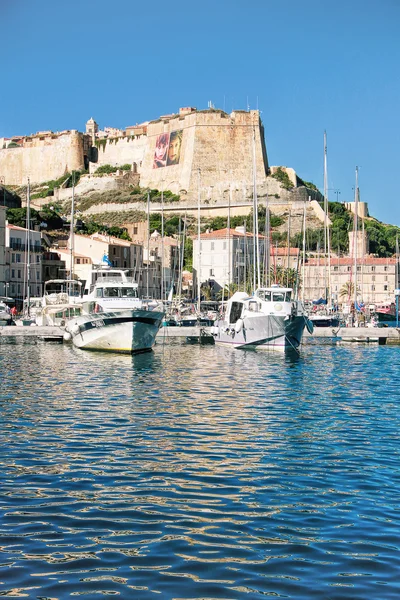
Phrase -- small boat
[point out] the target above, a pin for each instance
(386, 311)
(324, 320)
(5, 316)
(268, 320)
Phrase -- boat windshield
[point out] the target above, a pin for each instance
(281, 296)
(129, 292)
(116, 292)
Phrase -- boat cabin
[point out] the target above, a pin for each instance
(274, 294)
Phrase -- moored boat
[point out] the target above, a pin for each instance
(127, 331)
(268, 320)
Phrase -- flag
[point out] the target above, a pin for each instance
(106, 260)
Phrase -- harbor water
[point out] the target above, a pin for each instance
(199, 472)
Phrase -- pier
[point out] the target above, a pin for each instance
(380, 335)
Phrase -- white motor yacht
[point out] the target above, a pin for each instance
(61, 301)
(118, 321)
(269, 320)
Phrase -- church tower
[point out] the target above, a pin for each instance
(92, 128)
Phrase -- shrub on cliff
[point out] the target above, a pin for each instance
(283, 178)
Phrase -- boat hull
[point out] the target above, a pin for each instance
(128, 332)
(262, 332)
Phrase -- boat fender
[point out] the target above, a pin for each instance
(309, 325)
(239, 325)
(67, 336)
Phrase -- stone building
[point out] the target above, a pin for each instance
(376, 278)
(89, 252)
(17, 260)
(227, 256)
(3, 280)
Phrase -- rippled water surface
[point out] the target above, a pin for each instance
(199, 472)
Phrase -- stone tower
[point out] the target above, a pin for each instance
(92, 128)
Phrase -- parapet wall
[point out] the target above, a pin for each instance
(119, 151)
(43, 158)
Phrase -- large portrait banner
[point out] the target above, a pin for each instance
(168, 149)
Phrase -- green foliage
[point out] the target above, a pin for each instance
(216, 223)
(171, 224)
(108, 169)
(308, 184)
(382, 238)
(188, 255)
(283, 178)
(285, 277)
(91, 226)
(101, 143)
(47, 215)
(47, 188)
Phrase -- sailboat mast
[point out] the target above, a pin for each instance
(256, 243)
(303, 274)
(162, 242)
(229, 237)
(355, 237)
(148, 245)
(28, 253)
(288, 252)
(198, 243)
(267, 241)
(327, 249)
(71, 233)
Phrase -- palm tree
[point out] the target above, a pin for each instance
(348, 290)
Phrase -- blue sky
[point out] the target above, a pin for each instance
(310, 66)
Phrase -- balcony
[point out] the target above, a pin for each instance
(22, 247)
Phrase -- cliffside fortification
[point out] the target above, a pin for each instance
(43, 156)
(221, 157)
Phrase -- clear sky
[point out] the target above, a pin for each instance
(309, 66)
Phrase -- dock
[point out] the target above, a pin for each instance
(42, 334)
(367, 335)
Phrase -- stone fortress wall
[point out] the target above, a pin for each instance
(44, 157)
(221, 154)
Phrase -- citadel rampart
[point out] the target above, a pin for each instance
(208, 154)
(44, 157)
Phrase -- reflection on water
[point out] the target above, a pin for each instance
(199, 472)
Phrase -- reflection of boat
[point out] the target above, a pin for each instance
(269, 320)
(120, 331)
